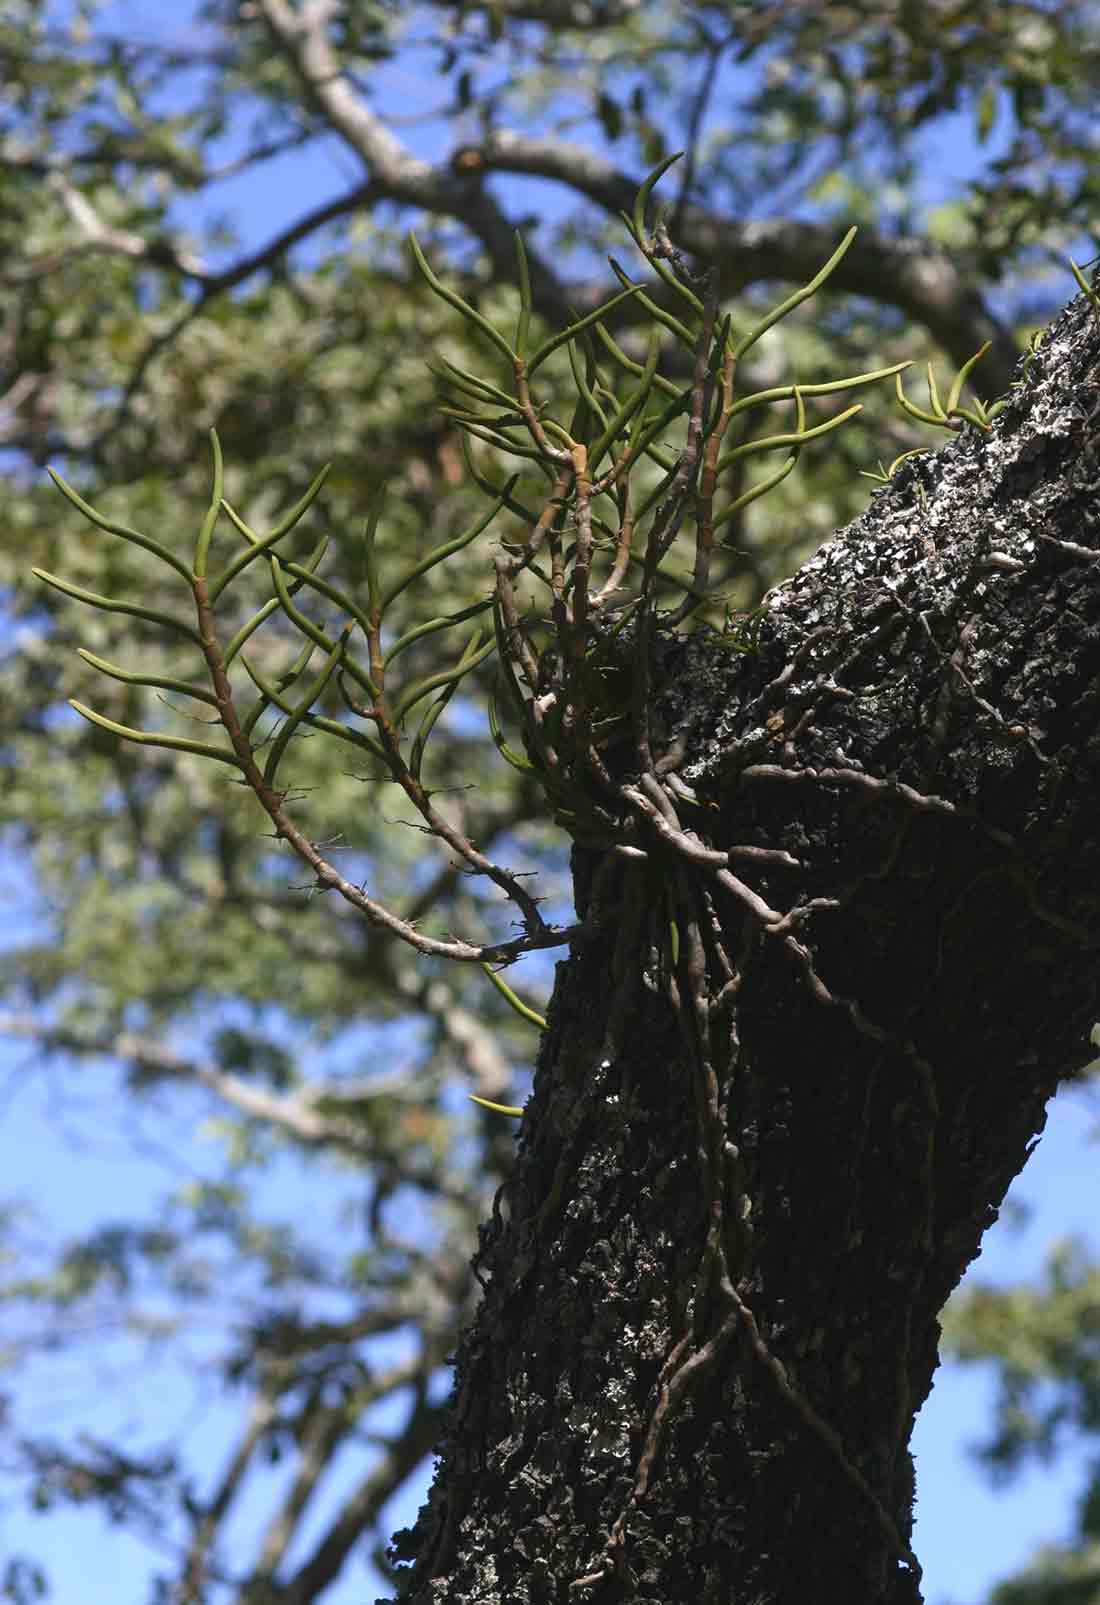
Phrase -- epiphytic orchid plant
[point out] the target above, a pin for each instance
(640, 466)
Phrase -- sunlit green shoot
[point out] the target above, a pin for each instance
(1084, 285)
(497, 1108)
(515, 1002)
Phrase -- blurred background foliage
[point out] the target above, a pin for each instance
(202, 220)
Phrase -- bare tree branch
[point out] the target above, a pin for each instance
(417, 1440)
(321, 1437)
(919, 278)
(700, 101)
(98, 236)
(559, 13)
(261, 1417)
(300, 1116)
(297, 1116)
(302, 37)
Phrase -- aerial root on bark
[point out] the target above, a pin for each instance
(696, 931)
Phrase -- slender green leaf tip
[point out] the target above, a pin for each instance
(375, 502)
(114, 604)
(963, 374)
(156, 681)
(525, 302)
(459, 304)
(1084, 285)
(524, 1011)
(206, 530)
(648, 183)
(498, 1108)
(793, 300)
(146, 738)
(259, 544)
(134, 536)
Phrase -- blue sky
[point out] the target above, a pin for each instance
(967, 1536)
(62, 1150)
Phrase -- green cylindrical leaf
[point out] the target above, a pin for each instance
(459, 304)
(524, 1010)
(422, 688)
(156, 682)
(145, 738)
(509, 754)
(658, 314)
(828, 387)
(790, 438)
(253, 624)
(263, 543)
(470, 383)
(635, 401)
(961, 377)
(206, 530)
(316, 721)
(525, 302)
(912, 409)
(628, 362)
(762, 489)
(134, 536)
(303, 709)
(780, 311)
(486, 485)
(498, 1108)
(589, 405)
(376, 601)
(548, 347)
(311, 631)
(112, 604)
(283, 683)
(432, 625)
(427, 723)
(641, 200)
(439, 554)
(514, 448)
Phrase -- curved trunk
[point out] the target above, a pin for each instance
(808, 1044)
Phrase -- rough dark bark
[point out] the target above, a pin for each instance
(918, 730)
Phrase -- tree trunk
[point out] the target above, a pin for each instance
(782, 1092)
